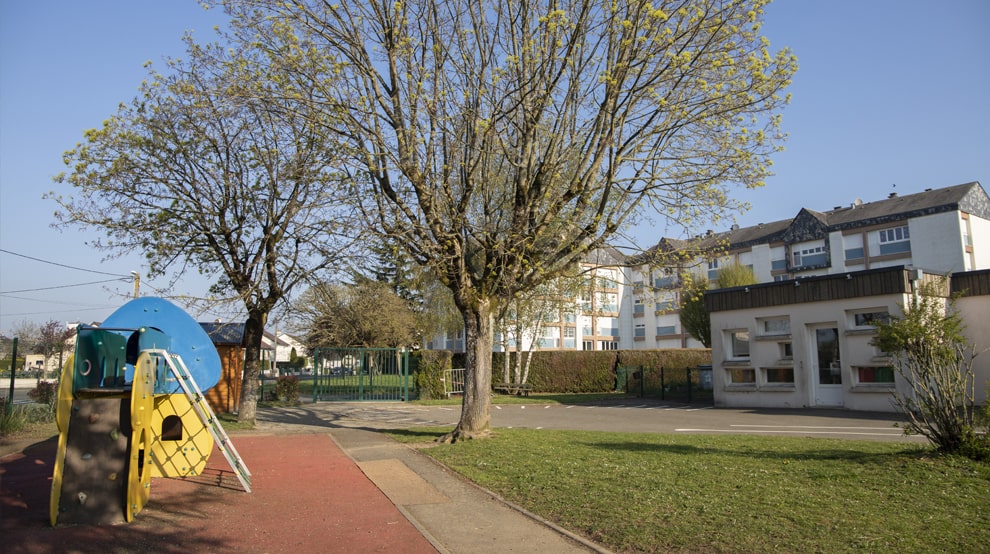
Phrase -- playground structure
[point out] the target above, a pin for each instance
(131, 407)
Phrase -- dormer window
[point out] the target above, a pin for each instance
(809, 255)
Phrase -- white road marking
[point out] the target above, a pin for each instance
(812, 427)
(788, 432)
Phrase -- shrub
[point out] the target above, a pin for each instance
(45, 393)
(15, 418)
(287, 388)
(933, 356)
(12, 418)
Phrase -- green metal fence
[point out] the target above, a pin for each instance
(358, 374)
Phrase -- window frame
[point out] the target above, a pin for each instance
(732, 341)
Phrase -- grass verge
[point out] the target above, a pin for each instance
(704, 493)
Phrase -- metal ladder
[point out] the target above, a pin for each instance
(207, 416)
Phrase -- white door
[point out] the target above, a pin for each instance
(826, 366)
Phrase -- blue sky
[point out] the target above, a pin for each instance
(889, 92)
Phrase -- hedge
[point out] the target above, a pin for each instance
(567, 371)
(428, 367)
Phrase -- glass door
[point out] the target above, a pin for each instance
(827, 367)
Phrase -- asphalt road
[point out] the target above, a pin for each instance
(630, 415)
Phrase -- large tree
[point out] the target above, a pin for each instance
(367, 313)
(505, 140)
(218, 166)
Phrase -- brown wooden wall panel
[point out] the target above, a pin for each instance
(972, 283)
(895, 280)
(225, 396)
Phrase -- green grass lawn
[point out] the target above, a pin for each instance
(726, 493)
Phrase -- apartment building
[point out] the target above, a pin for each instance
(938, 230)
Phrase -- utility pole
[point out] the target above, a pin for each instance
(137, 282)
(13, 371)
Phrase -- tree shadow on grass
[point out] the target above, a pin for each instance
(817, 454)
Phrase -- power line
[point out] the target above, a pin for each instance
(39, 300)
(66, 286)
(60, 265)
(93, 309)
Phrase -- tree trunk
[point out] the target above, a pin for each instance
(529, 353)
(254, 331)
(475, 419)
(505, 358)
(529, 360)
(520, 341)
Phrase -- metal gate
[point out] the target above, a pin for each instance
(356, 374)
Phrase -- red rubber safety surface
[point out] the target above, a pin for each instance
(307, 496)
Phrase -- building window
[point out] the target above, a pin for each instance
(665, 306)
(870, 318)
(895, 241)
(779, 375)
(608, 332)
(587, 345)
(638, 307)
(667, 330)
(739, 344)
(586, 302)
(664, 282)
(855, 253)
(778, 265)
(775, 326)
(549, 337)
(608, 345)
(741, 376)
(713, 270)
(814, 255)
(875, 375)
(640, 330)
(610, 302)
(786, 350)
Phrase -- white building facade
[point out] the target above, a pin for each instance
(808, 343)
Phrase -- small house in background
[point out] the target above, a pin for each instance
(228, 338)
